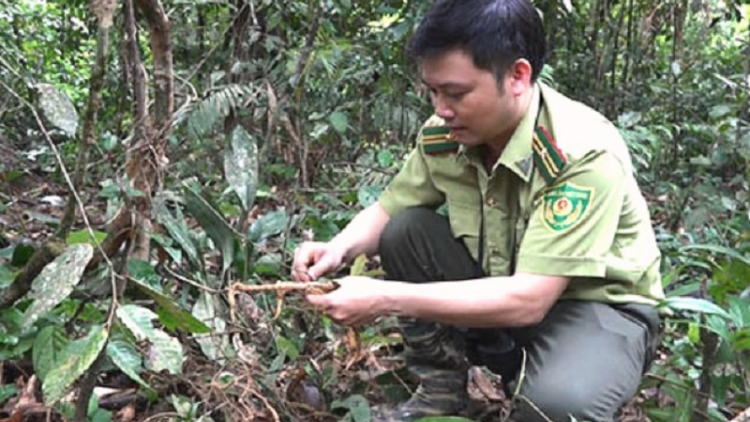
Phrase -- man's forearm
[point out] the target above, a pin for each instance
(515, 301)
(362, 234)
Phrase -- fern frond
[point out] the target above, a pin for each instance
(206, 113)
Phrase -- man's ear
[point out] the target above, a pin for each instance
(518, 77)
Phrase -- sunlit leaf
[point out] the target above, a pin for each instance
(241, 165)
(58, 109)
(215, 345)
(83, 236)
(57, 280)
(74, 360)
(179, 232)
(138, 320)
(166, 354)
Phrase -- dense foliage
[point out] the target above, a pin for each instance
(287, 118)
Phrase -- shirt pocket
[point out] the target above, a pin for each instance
(464, 219)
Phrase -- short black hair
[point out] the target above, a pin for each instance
(495, 33)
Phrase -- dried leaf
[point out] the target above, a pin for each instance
(58, 109)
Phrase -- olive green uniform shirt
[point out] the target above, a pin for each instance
(585, 219)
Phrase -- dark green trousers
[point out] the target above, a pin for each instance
(585, 359)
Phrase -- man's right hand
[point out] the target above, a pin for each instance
(315, 259)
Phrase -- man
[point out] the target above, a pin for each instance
(546, 269)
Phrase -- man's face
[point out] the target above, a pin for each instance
(470, 100)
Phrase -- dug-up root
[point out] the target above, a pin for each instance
(281, 288)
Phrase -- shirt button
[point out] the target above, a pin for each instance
(491, 202)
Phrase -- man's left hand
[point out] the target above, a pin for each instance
(358, 300)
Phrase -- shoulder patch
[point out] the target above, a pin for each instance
(565, 205)
(549, 159)
(437, 140)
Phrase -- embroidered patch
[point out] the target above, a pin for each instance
(565, 205)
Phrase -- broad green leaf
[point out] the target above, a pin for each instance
(83, 236)
(7, 276)
(165, 351)
(367, 195)
(269, 265)
(180, 318)
(695, 305)
(125, 356)
(179, 232)
(56, 281)
(7, 391)
(165, 354)
(385, 158)
(138, 320)
(241, 165)
(339, 121)
(268, 225)
(58, 109)
(358, 406)
(48, 345)
(719, 250)
(21, 255)
(74, 361)
(215, 345)
(215, 225)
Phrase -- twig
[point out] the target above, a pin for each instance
(192, 282)
(281, 288)
(267, 404)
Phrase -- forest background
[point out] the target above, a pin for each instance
(205, 139)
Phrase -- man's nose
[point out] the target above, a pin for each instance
(442, 108)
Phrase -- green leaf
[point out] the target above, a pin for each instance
(83, 236)
(166, 351)
(48, 345)
(7, 276)
(214, 345)
(125, 356)
(21, 255)
(215, 225)
(165, 354)
(179, 232)
(385, 158)
(358, 406)
(694, 305)
(138, 320)
(367, 195)
(7, 391)
(56, 281)
(241, 165)
(719, 250)
(180, 318)
(339, 121)
(268, 225)
(74, 361)
(58, 109)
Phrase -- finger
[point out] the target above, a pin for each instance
(325, 265)
(318, 301)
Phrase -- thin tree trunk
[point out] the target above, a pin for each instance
(89, 123)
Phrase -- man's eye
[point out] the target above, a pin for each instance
(455, 95)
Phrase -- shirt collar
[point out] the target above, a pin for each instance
(517, 155)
